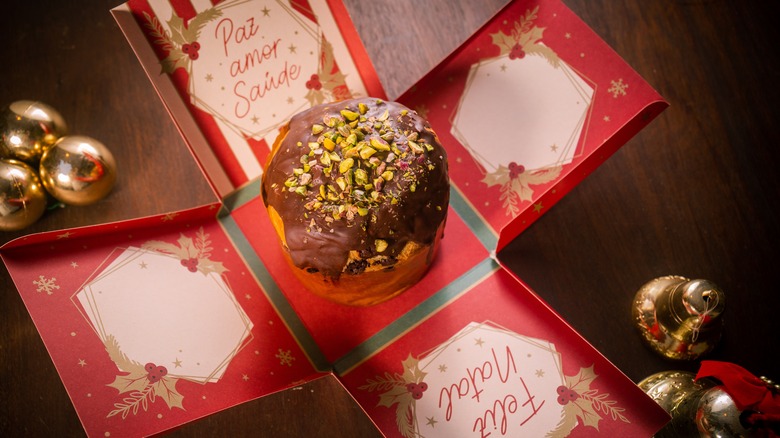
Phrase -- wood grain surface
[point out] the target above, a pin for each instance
(694, 194)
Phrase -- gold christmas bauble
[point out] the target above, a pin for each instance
(22, 198)
(78, 170)
(27, 129)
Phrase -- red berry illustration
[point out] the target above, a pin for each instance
(191, 264)
(565, 395)
(417, 389)
(515, 170)
(154, 372)
(314, 83)
(517, 52)
(191, 49)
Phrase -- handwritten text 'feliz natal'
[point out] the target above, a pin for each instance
(497, 414)
(233, 38)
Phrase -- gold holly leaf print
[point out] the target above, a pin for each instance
(499, 177)
(581, 382)
(412, 371)
(165, 388)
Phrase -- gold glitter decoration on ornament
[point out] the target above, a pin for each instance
(22, 198)
(27, 129)
(679, 318)
(78, 170)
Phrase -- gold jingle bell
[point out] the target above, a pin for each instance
(670, 388)
(78, 170)
(699, 408)
(27, 129)
(22, 198)
(678, 317)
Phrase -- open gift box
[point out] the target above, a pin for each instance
(158, 321)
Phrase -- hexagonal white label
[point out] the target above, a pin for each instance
(486, 380)
(527, 111)
(260, 57)
(156, 309)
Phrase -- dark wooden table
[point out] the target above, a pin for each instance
(694, 194)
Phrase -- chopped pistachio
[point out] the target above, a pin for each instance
(384, 116)
(380, 245)
(378, 184)
(367, 151)
(301, 190)
(416, 148)
(361, 177)
(379, 144)
(328, 144)
(349, 115)
(362, 107)
(387, 175)
(346, 165)
(353, 152)
(317, 128)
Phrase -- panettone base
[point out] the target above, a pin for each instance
(370, 287)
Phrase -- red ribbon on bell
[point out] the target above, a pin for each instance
(748, 392)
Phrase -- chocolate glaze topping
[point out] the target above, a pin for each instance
(360, 175)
